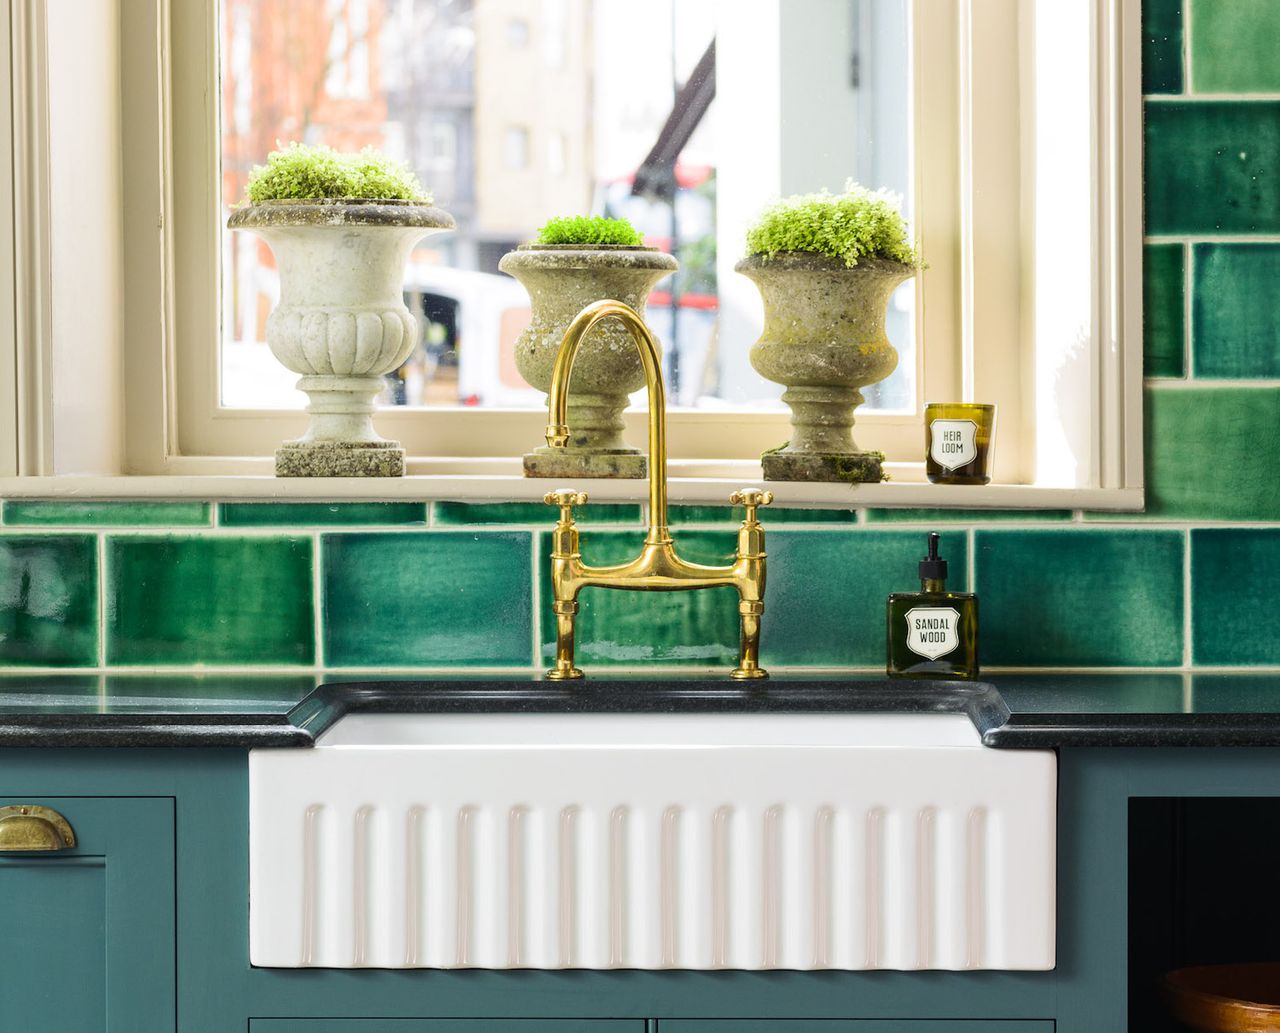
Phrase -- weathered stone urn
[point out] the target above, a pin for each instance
(341, 322)
(824, 340)
(562, 280)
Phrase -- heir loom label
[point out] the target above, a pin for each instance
(933, 631)
(955, 443)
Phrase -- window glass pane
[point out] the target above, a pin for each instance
(512, 111)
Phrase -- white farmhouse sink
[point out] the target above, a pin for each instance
(748, 841)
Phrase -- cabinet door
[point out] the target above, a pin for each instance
(87, 936)
(446, 1026)
(855, 1026)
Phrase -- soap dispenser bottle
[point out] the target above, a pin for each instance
(933, 633)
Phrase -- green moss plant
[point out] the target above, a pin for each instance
(589, 231)
(301, 172)
(856, 224)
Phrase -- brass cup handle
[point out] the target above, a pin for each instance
(25, 827)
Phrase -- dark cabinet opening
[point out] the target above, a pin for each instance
(1204, 889)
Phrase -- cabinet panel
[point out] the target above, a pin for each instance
(446, 1026)
(87, 937)
(855, 1026)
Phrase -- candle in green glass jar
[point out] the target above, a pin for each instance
(958, 439)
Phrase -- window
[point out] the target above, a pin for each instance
(978, 114)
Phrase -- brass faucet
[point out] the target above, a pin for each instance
(658, 568)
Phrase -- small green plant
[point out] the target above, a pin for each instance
(590, 231)
(300, 172)
(856, 224)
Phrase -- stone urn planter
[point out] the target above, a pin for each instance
(824, 340)
(562, 280)
(341, 322)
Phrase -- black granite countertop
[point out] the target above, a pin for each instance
(1009, 710)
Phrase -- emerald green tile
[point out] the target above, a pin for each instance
(965, 516)
(1235, 693)
(1235, 314)
(1164, 346)
(1233, 46)
(312, 514)
(207, 600)
(687, 516)
(620, 627)
(826, 594)
(48, 600)
(1162, 46)
(1234, 572)
(55, 512)
(428, 599)
(1209, 453)
(534, 514)
(1080, 598)
(1212, 166)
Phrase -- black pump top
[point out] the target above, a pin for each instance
(931, 567)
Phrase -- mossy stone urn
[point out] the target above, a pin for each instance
(562, 280)
(341, 322)
(824, 340)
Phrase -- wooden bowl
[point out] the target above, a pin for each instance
(1241, 998)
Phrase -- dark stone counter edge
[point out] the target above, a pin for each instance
(981, 702)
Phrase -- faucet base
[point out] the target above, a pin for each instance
(564, 674)
(749, 673)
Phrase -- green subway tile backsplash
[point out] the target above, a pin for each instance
(536, 514)
(826, 592)
(428, 599)
(1236, 309)
(619, 628)
(1234, 573)
(1233, 45)
(1212, 166)
(1162, 46)
(209, 600)
(48, 600)
(1164, 346)
(321, 514)
(106, 514)
(1080, 598)
(1210, 453)
(965, 516)
(731, 516)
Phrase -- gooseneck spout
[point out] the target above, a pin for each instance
(658, 568)
(651, 360)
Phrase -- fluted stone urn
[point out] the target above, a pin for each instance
(824, 340)
(562, 280)
(341, 322)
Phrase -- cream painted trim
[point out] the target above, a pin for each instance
(9, 439)
(31, 238)
(512, 487)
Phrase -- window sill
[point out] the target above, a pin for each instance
(499, 480)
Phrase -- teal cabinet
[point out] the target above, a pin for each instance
(446, 1026)
(856, 1026)
(87, 935)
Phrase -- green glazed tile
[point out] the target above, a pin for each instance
(1209, 453)
(1164, 346)
(1080, 598)
(534, 514)
(1162, 46)
(1236, 309)
(731, 516)
(965, 516)
(427, 599)
(48, 600)
(1233, 46)
(827, 590)
(1212, 166)
(204, 600)
(1235, 693)
(107, 514)
(617, 627)
(311, 514)
(1234, 572)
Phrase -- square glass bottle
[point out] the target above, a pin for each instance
(933, 633)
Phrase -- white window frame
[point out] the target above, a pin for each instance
(165, 428)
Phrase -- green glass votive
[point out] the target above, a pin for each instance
(958, 438)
